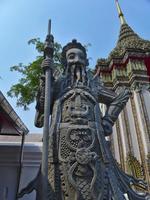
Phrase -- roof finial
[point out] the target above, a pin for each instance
(49, 26)
(121, 16)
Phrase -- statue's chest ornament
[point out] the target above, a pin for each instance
(78, 106)
(80, 137)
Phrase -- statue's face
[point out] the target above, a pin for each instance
(76, 65)
(76, 57)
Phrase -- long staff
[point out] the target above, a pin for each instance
(48, 55)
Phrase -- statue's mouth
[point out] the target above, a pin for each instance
(77, 65)
(77, 71)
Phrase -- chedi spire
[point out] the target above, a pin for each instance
(120, 13)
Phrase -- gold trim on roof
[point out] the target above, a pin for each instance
(120, 13)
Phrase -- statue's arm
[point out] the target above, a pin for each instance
(105, 95)
(115, 104)
(40, 98)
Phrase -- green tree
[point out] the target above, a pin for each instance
(26, 89)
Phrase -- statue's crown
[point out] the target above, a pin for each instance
(70, 45)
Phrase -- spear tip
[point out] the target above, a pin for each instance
(49, 26)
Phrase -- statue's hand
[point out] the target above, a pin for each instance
(47, 63)
(107, 126)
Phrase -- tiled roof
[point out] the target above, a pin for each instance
(128, 40)
(9, 111)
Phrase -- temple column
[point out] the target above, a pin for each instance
(115, 145)
(122, 135)
(140, 132)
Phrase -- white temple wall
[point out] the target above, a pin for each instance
(9, 165)
(8, 182)
(31, 163)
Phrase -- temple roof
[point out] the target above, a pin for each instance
(10, 122)
(128, 41)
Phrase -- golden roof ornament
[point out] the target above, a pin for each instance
(120, 13)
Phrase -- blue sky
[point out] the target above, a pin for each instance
(89, 21)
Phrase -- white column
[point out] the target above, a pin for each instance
(141, 121)
(146, 95)
(133, 132)
(115, 145)
(125, 145)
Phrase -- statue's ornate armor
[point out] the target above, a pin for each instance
(76, 146)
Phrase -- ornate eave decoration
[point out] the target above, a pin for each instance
(129, 45)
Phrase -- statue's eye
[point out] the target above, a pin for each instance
(71, 56)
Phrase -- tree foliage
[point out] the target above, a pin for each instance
(26, 89)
